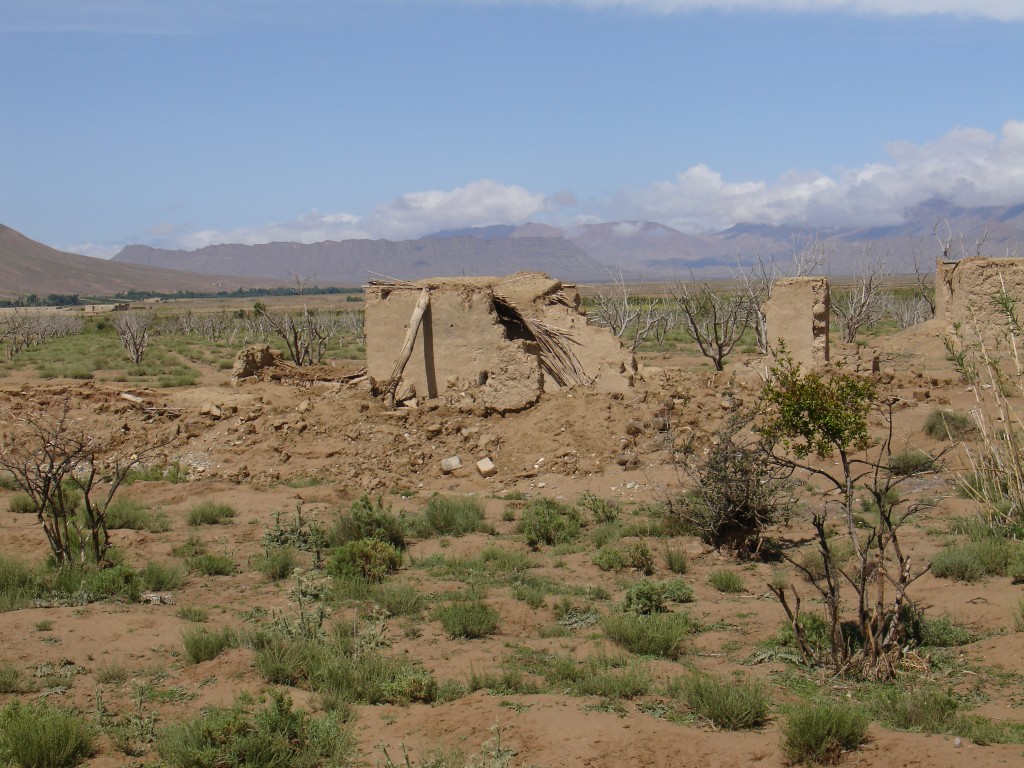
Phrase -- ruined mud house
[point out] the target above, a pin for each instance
(491, 344)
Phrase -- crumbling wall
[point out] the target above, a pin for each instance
(798, 314)
(965, 291)
(477, 346)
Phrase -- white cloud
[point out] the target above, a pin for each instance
(999, 10)
(968, 167)
(411, 215)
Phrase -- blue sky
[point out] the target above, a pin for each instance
(191, 122)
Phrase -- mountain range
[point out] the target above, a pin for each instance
(28, 267)
(586, 253)
(599, 252)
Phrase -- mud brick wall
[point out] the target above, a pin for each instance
(965, 291)
(798, 314)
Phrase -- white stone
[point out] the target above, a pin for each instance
(486, 468)
(450, 464)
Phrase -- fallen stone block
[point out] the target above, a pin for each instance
(450, 464)
(486, 468)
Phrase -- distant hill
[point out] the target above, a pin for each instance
(597, 252)
(356, 261)
(28, 267)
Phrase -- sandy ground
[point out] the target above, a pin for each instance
(241, 444)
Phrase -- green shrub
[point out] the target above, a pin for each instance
(657, 634)
(928, 709)
(40, 736)
(974, 560)
(730, 704)
(278, 563)
(726, 581)
(372, 559)
(19, 584)
(160, 577)
(602, 511)
(910, 462)
(7, 481)
(367, 519)
(111, 673)
(192, 613)
(821, 731)
(645, 597)
(21, 504)
(399, 599)
(192, 547)
(603, 535)
(10, 679)
(638, 557)
(941, 632)
(609, 558)
(276, 736)
(546, 521)
(454, 516)
(133, 515)
(212, 564)
(676, 559)
(203, 645)
(468, 619)
(211, 513)
(944, 424)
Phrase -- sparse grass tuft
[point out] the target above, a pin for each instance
(211, 513)
(733, 705)
(212, 564)
(944, 424)
(41, 736)
(276, 736)
(546, 521)
(370, 559)
(974, 560)
(676, 559)
(203, 645)
(454, 516)
(821, 731)
(21, 504)
(162, 577)
(657, 634)
(910, 462)
(727, 581)
(468, 619)
(277, 563)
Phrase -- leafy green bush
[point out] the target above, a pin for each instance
(192, 613)
(454, 516)
(727, 581)
(10, 679)
(546, 521)
(821, 731)
(160, 577)
(468, 619)
(276, 736)
(210, 513)
(638, 557)
(647, 597)
(367, 519)
(7, 481)
(944, 424)
(656, 634)
(202, 645)
(41, 736)
(609, 558)
(940, 632)
(730, 704)
(21, 504)
(372, 559)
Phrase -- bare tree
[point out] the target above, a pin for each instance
(716, 321)
(21, 328)
(862, 305)
(756, 284)
(71, 475)
(631, 317)
(134, 328)
(811, 254)
(306, 334)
